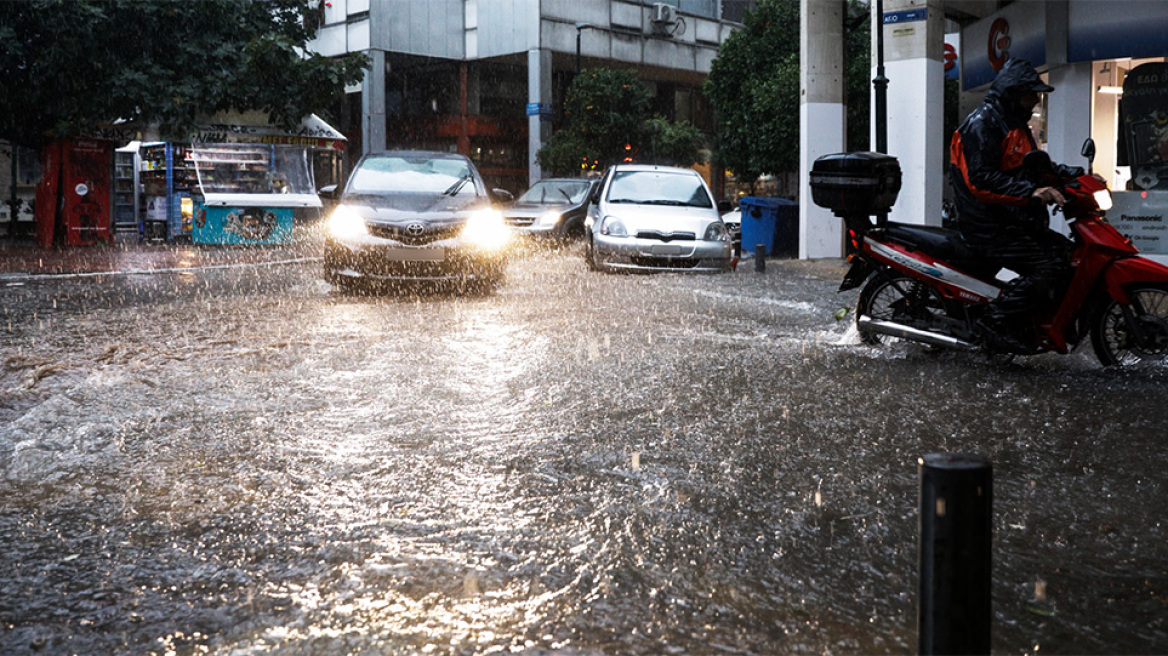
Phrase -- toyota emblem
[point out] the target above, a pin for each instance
(415, 229)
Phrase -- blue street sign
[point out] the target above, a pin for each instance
(906, 16)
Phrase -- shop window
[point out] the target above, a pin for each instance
(28, 166)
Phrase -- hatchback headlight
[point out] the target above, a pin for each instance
(345, 222)
(612, 227)
(487, 229)
(716, 232)
(548, 218)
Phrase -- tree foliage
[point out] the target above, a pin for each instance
(67, 66)
(754, 86)
(608, 121)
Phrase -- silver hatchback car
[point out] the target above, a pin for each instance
(655, 218)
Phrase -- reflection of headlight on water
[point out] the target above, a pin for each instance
(345, 222)
(548, 218)
(487, 229)
(1103, 198)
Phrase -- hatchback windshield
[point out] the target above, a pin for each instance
(393, 174)
(555, 192)
(658, 188)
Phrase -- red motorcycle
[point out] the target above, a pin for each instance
(924, 284)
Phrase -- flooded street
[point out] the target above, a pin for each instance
(248, 461)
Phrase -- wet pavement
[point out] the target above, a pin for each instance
(243, 460)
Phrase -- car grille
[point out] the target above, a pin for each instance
(666, 236)
(665, 262)
(519, 221)
(398, 233)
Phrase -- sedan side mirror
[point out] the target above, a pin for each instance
(502, 195)
(328, 193)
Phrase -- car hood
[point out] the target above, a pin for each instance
(663, 218)
(415, 207)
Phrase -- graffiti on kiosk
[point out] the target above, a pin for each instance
(252, 223)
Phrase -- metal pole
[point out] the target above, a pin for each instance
(760, 258)
(577, 50)
(880, 83)
(956, 519)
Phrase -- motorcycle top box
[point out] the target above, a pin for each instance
(855, 184)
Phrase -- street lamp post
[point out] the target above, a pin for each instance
(580, 27)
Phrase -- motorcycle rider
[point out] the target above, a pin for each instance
(1000, 213)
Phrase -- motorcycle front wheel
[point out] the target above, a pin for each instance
(898, 299)
(1118, 342)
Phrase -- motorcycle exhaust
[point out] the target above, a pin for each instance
(902, 331)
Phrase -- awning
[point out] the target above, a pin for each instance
(254, 128)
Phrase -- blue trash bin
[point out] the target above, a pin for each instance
(771, 222)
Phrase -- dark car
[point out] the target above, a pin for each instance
(412, 215)
(552, 208)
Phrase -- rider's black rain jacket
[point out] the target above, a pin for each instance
(985, 159)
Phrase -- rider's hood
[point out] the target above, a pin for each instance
(1015, 78)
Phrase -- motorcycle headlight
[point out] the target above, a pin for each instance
(548, 218)
(487, 229)
(345, 222)
(612, 227)
(716, 232)
(1103, 199)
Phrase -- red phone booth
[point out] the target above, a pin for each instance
(73, 197)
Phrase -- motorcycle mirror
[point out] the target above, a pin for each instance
(1089, 152)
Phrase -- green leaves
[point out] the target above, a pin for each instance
(67, 66)
(608, 114)
(754, 86)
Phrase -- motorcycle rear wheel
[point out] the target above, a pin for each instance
(1114, 341)
(898, 299)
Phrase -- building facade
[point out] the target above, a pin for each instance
(486, 78)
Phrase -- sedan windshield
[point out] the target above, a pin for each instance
(658, 188)
(392, 174)
(555, 192)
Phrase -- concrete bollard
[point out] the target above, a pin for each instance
(956, 520)
(759, 258)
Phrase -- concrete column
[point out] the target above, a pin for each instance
(1068, 113)
(373, 104)
(822, 118)
(915, 68)
(539, 90)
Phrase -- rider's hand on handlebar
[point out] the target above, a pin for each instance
(1049, 195)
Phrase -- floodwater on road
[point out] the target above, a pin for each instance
(250, 461)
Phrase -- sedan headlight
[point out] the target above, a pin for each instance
(612, 227)
(487, 229)
(716, 232)
(1103, 199)
(345, 222)
(548, 218)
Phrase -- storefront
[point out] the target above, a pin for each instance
(1106, 62)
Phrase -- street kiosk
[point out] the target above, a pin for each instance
(238, 181)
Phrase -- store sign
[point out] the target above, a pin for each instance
(1116, 29)
(1018, 31)
(1140, 216)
